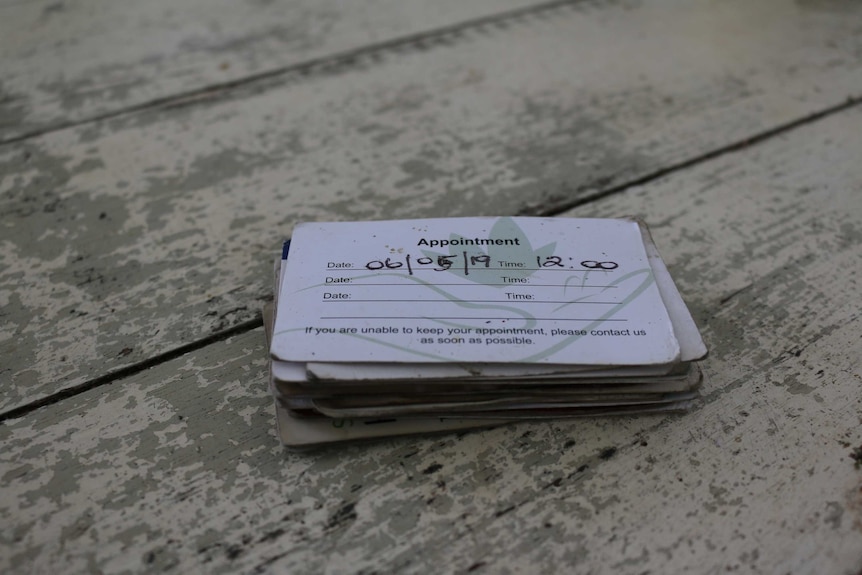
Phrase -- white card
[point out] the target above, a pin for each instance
(472, 290)
(692, 348)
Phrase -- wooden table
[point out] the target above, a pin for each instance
(153, 155)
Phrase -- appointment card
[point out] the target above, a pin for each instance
(472, 290)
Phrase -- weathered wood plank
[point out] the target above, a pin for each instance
(124, 239)
(178, 469)
(65, 62)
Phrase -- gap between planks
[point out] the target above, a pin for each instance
(345, 59)
(128, 371)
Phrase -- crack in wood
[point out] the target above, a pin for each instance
(132, 369)
(338, 61)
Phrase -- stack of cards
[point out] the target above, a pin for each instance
(415, 326)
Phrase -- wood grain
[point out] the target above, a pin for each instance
(68, 62)
(130, 238)
(177, 468)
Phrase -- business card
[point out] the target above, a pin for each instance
(472, 290)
